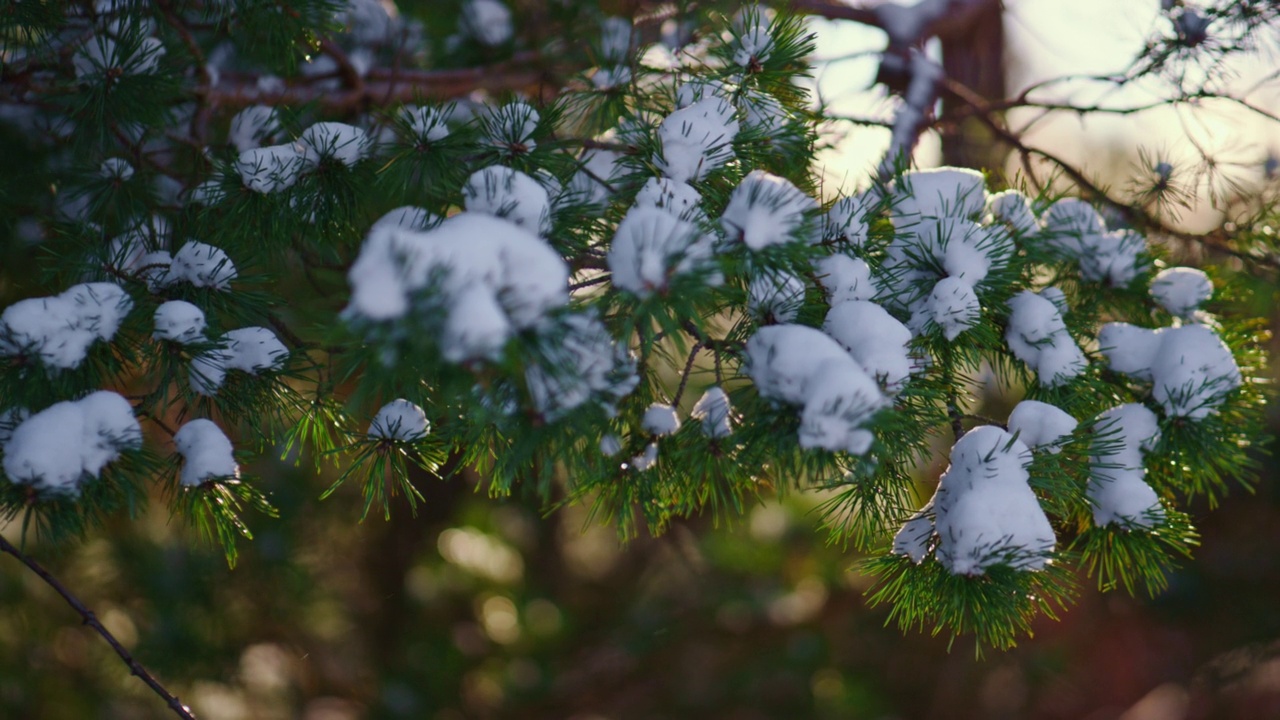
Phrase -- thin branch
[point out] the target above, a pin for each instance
(90, 619)
(383, 86)
(684, 376)
(1220, 241)
(346, 69)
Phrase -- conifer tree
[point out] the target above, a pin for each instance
(248, 229)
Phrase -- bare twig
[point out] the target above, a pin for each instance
(90, 619)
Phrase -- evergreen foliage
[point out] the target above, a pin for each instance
(139, 128)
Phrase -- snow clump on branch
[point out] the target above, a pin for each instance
(252, 350)
(492, 278)
(1038, 337)
(800, 365)
(59, 447)
(1076, 230)
(653, 245)
(1190, 368)
(1116, 487)
(59, 330)
(509, 194)
(768, 210)
(696, 139)
(206, 452)
(400, 420)
(984, 511)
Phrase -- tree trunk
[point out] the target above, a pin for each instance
(974, 58)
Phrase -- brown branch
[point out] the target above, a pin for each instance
(89, 618)
(200, 118)
(346, 70)
(1135, 215)
(684, 377)
(383, 86)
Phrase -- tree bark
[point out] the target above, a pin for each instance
(974, 58)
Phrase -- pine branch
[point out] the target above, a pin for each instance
(90, 619)
(384, 86)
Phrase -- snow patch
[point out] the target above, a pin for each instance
(61, 446)
(206, 452)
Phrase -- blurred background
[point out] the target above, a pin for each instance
(495, 608)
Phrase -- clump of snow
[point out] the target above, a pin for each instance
(510, 128)
(875, 339)
(1038, 337)
(696, 139)
(116, 169)
(847, 219)
(201, 265)
(1041, 426)
(610, 445)
(333, 141)
(400, 420)
(845, 278)
(775, 296)
(753, 43)
(135, 252)
(206, 453)
(1013, 209)
(252, 350)
(407, 217)
(1076, 230)
(253, 126)
(488, 21)
(660, 420)
(914, 538)
(937, 193)
(615, 40)
(1181, 290)
(651, 246)
(59, 330)
(647, 459)
(1190, 368)
(477, 262)
(1116, 487)
(57, 448)
(179, 321)
(1057, 297)
(592, 184)
(611, 77)
(764, 115)
(579, 361)
(509, 194)
(10, 419)
(427, 124)
(1068, 220)
(1113, 257)
(800, 365)
(767, 210)
(696, 90)
(715, 412)
(984, 509)
(953, 306)
(270, 169)
(102, 55)
(676, 198)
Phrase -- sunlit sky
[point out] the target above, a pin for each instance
(1048, 39)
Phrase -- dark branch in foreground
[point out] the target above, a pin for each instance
(135, 667)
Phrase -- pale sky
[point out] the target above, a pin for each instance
(1047, 39)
